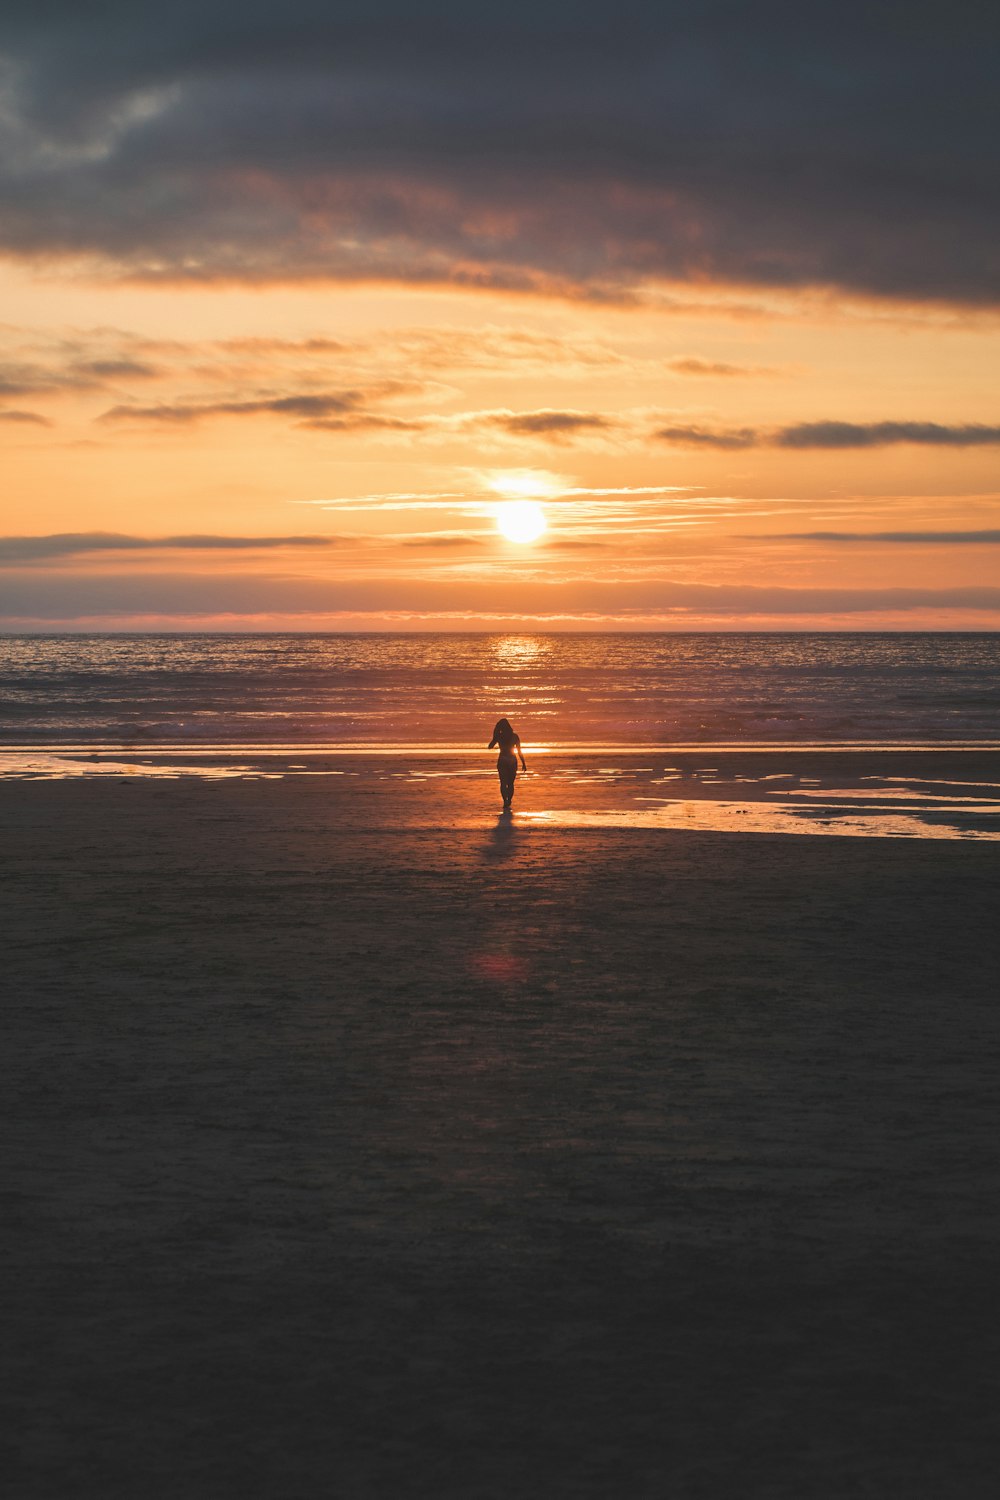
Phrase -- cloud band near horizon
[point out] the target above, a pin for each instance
(55, 595)
(15, 549)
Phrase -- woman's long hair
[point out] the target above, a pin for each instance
(501, 724)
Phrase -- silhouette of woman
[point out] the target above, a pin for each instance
(507, 741)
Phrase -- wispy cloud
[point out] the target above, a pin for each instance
(366, 421)
(715, 369)
(55, 362)
(486, 348)
(401, 500)
(631, 490)
(447, 540)
(919, 538)
(441, 539)
(480, 496)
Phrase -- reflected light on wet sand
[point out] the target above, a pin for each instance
(65, 768)
(735, 793)
(755, 817)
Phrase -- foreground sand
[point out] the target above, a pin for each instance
(354, 1158)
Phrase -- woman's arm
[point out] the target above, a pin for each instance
(517, 742)
(492, 743)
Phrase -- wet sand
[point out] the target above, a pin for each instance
(363, 1144)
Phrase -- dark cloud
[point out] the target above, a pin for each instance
(919, 538)
(883, 434)
(62, 373)
(548, 423)
(348, 411)
(312, 408)
(804, 435)
(117, 369)
(37, 379)
(688, 436)
(28, 418)
(15, 549)
(42, 364)
(588, 149)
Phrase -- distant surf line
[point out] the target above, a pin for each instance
(552, 747)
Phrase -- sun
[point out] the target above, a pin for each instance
(521, 520)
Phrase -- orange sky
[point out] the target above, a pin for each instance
(717, 284)
(670, 441)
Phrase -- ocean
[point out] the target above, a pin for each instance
(448, 689)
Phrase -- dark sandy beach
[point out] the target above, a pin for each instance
(360, 1145)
